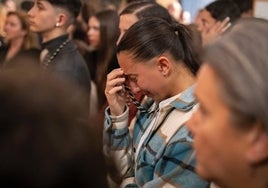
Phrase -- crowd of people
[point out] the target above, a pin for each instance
(131, 93)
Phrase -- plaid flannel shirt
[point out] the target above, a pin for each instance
(166, 157)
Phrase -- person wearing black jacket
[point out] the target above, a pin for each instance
(51, 19)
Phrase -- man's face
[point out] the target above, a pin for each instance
(204, 21)
(43, 17)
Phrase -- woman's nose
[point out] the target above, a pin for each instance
(134, 88)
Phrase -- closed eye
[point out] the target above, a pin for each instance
(131, 78)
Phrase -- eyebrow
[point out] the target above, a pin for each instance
(130, 75)
(39, 1)
(204, 20)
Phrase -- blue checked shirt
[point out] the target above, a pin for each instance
(164, 157)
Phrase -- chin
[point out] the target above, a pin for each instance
(33, 29)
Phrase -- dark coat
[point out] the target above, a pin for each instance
(29, 56)
(69, 65)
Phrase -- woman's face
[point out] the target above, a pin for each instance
(11, 5)
(126, 21)
(13, 28)
(220, 146)
(93, 33)
(143, 77)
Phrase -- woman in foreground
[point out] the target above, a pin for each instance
(230, 127)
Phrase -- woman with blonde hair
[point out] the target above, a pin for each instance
(3, 14)
(20, 42)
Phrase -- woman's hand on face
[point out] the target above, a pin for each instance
(114, 92)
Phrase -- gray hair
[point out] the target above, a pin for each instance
(240, 59)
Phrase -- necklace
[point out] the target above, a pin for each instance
(138, 105)
(133, 99)
(49, 59)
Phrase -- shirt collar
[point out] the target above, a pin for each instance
(186, 96)
(186, 100)
(53, 44)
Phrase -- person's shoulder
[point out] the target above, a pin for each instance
(182, 135)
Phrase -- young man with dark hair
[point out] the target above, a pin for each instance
(216, 18)
(246, 8)
(51, 18)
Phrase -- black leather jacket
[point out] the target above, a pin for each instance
(69, 64)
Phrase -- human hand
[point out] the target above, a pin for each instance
(215, 31)
(114, 91)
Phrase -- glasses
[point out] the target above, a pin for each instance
(131, 96)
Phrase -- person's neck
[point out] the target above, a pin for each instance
(256, 178)
(260, 176)
(16, 43)
(14, 48)
(183, 80)
(52, 35)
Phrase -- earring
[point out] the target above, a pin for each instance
(57, 24)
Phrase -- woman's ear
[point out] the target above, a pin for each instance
(163, 64)
(258, 145)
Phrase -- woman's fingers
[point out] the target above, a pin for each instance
(114, 82)
(114, 91)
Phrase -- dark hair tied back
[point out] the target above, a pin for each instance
(175, 26)
(185, 37)
(145, 42)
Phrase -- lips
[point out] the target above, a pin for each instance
(90, 40)
(32, 23)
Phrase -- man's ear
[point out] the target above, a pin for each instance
(62, 19)
(163, 64)
(258, 145)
